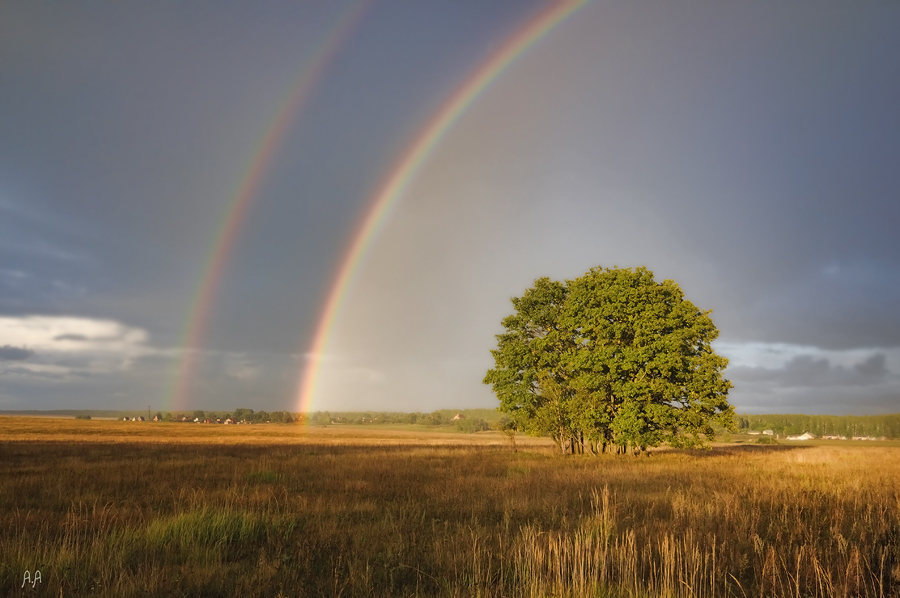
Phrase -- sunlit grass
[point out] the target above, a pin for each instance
(327, 513)
(73, 430)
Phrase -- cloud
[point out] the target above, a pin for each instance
(71, 337)
(811, 371)
(241, 367)
(44, 371)
(10, 353)
(834, 304)
(24, 291)
(62, 347)
(784, 378)
(20, 222)
(68, 334)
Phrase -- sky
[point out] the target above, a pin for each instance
(185, 190)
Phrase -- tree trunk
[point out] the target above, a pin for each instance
(558, 441)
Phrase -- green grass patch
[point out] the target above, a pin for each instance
(265, 477)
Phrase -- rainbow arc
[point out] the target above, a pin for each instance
(411, 161)
(272, 139)
(386, 197)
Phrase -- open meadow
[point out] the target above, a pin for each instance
(109, 508)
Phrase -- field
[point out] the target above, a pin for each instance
(108, 508)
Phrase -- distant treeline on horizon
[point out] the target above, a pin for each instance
(887, 425)
(240, 412)
(464, 420)
(823, 425)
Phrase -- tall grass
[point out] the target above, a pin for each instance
(290, 519)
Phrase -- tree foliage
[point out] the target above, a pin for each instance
(610, 361)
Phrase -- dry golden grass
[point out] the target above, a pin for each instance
(74, 430)
(145, 509)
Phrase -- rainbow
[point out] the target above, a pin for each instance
(249, 183)
(411, 160)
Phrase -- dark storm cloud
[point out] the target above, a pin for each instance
(27, 373)
(831, 305)
(822, 400)
(9, 353)
(811, 371)
(817, 382)
(123, 133)
(44, 267)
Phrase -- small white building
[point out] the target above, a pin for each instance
(769, 432)
(804, 436)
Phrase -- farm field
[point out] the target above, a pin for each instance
(112, 431)
(108, 508)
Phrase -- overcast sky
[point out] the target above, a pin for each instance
(749, 151)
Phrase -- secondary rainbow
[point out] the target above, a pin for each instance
(410, 162)
(249, 182)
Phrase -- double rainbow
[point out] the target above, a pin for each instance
(332, 39)
(391, 190)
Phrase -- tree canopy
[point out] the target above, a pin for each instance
(612, 360)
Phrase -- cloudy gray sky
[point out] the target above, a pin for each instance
(749, 151)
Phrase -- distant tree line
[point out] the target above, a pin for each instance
(477, 420)
(239, 414)
(435, 418)
(473, 420)
(824, 425)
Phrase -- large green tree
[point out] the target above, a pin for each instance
(612, 360)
